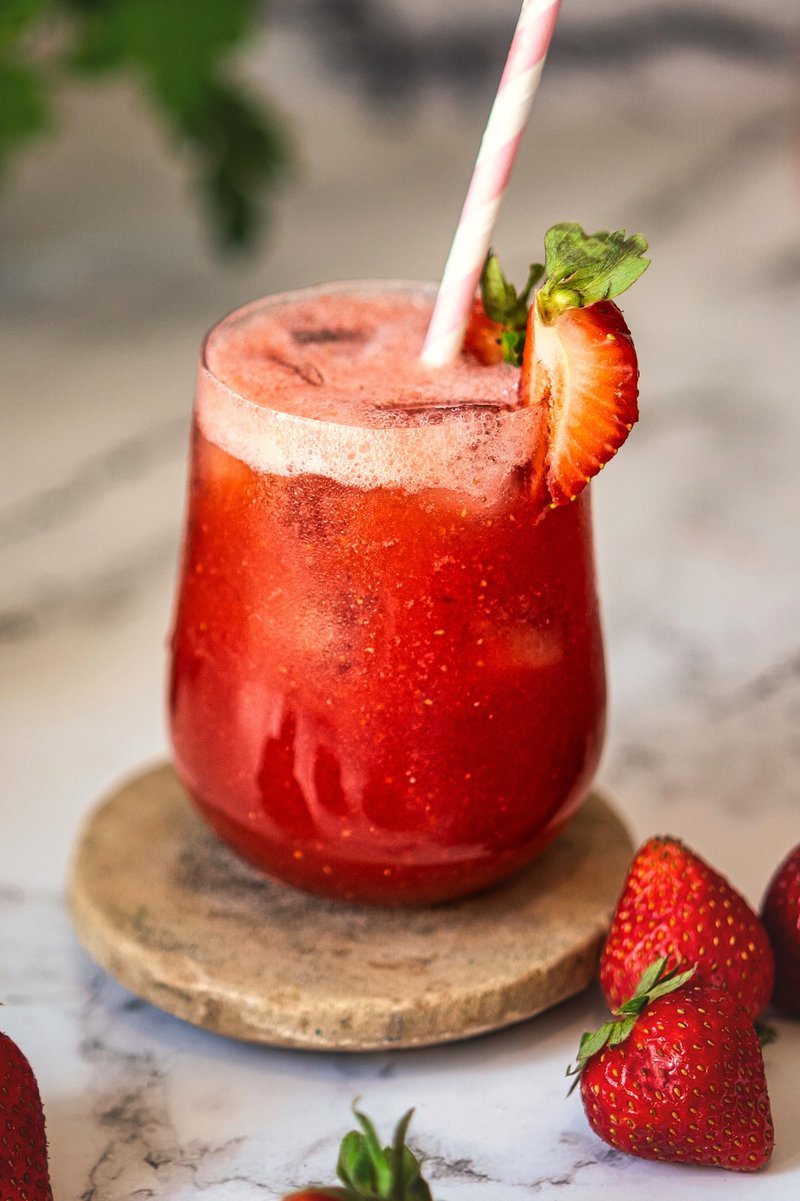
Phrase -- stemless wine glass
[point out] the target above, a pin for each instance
(387, 681)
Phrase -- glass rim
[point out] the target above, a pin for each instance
(424, 288)
(438, 452)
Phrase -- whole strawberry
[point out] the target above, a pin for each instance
(24, 1174)
(483, 339)
(674, 905)
(679, 1076)
(496, 329)
(369, 1172)
(780, 914)
(317, 1194)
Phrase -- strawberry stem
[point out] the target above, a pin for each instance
(655, 981)
(582, 269)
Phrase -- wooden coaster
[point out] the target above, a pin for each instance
(177, 918)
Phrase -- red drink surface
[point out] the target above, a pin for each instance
(387, 675)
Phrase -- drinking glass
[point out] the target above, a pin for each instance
(387, 675)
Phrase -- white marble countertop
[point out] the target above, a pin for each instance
(683, 124)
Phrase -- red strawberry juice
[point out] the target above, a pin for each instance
(387, 679)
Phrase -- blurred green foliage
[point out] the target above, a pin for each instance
(180, 51)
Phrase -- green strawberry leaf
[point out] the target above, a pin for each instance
(670, 982)
(767, 1035)
(371, 1172)
(650, 977)
(655, 981)
(591, 1043)
(582, 269)
(504, 305)
(500, 300)
(621, 1030)
(354, 1167)
(398, 1157)
(512, 342)
(498, 295)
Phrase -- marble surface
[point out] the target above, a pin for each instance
(682, 121)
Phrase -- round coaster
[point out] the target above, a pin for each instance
(180, 920)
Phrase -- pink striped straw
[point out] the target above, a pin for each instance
(496, 156)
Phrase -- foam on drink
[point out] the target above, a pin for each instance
(329, 382)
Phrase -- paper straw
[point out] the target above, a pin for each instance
(496, 156)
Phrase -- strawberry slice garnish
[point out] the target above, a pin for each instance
(578, 361)
(579, 365)
(581, 370)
